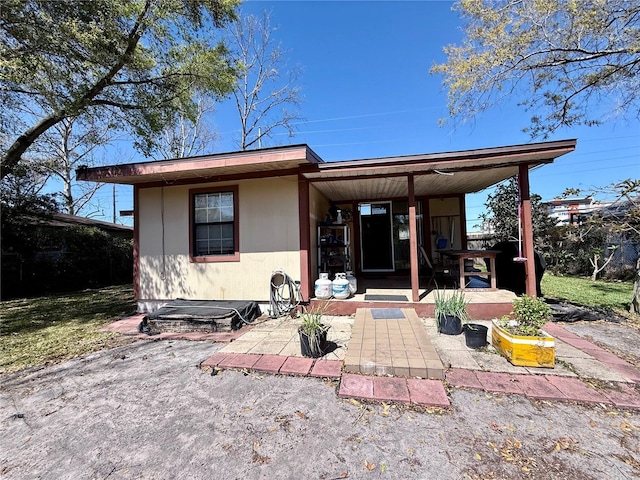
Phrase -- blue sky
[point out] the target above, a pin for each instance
(367, 92)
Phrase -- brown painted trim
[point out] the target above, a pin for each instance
(136, 242)
(355, 239)
(463, 220)
(413, 241)
(274, 156)
(479, 311)
(557, 148)
(220, 178)
(304, 225)
(527, 232)
(236, 226)
(419, 168)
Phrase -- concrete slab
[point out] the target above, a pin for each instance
(591, 368)
(625, 397)
(327, 368)
(459, 377)
(356, 386)
(497, 363)
(559, 370)
(268, 348)
(539, 388)
(390, 388)
(239, 346)
(269, 363)
(499, 382)
(575, 390)
(427, 392)
(296, 366)
(567, 352)
(291, 349)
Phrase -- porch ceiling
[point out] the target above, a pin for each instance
(385, 187)
(434, 174)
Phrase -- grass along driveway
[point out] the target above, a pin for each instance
(49, 329)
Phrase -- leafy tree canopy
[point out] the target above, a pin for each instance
(502, 214)
(133, 64)
(561, 56)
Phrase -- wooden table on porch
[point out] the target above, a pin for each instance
(462, 255)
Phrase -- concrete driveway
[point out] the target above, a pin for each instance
(146, 410)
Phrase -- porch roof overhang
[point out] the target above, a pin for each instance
(216, 167)
(448, 173)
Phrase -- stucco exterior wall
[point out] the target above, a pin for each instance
(269, 239)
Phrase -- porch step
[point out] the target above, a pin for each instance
(391, 341)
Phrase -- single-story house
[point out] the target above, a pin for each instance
(217, 226)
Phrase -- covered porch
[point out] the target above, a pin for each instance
(398, 210)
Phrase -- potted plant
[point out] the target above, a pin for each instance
(519, 336)
(450, 311)
(313, 333)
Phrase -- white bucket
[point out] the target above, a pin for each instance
(323, 287)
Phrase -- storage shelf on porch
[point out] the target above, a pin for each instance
(333, 249)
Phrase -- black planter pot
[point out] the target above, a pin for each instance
(449, 325)
(315, 345)
(475, 336)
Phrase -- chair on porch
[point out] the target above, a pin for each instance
(434, 273)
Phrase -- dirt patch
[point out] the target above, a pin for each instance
(147, 411)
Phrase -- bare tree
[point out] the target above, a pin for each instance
(266, 95)
(188, 136)
(64, 147)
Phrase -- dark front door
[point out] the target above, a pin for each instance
(376, 232)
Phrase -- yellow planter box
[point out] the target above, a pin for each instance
(523, 350)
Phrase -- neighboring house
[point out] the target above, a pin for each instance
(46, 261)
(571, 211)
(217, 226)
(64, 220)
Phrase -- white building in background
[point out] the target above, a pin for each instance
(573, 211)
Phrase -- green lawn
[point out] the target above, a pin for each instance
(615, 296)
(41, 330)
